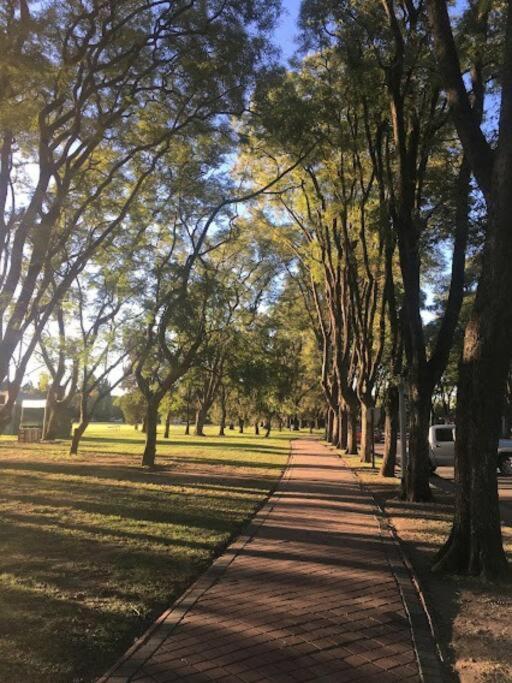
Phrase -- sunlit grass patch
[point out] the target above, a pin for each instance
(94, 547)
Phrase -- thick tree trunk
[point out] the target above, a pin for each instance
(329, 425)
(475, 545)
(58, 420)
(144, 424)
(335, 440)
(200, 420)
(352, 432)
(417, 475)
(390, 432)
(241, 423)
(151, 419)
(343, 437)
(366, 444)
(167, 424)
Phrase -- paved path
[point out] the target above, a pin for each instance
(307, 595)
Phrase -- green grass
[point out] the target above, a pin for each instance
(94, 547)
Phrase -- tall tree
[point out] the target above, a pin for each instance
(475, 544)
(91, 96)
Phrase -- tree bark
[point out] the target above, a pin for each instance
(256, 428)
(85, 418)
(417, 475)
(151, 419)
(241, 423)
(167, 424)
(335, 428)
(329, 425)
(223, 411)
(268, 427)
(352, 432)
(366, 432)
(343, 436)
(200, 420)
(78, 432)
(390, 432)
(58, 420)
(187, 427)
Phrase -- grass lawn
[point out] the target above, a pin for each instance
(94, 547)
(473, 618)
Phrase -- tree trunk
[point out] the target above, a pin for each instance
(295, 424)
(200, 420)
(231, 426)
(58, 422)
(268, 427)
(280, 423)
(417, 475)
(475, 545)
(256, 428)
(151, 420)
(223, 411)
(352, 432)
(167, 424)
(390, 432)
(78, 432)
(366, 444)
(144, 424)
(241, 422)
(343, 428)
(187, 427)
(136, 426)
(329, 425)
(335, 439)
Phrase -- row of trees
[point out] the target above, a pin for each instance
(168, 194)
(408, 186)
(122, 254)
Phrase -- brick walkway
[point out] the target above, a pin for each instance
(307, 595)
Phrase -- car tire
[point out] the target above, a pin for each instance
(505, 464)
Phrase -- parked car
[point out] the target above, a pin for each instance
(441, 440)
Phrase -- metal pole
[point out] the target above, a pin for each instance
(403, 432)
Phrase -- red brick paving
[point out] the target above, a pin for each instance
(310, 596)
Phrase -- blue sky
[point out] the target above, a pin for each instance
(287, 28)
